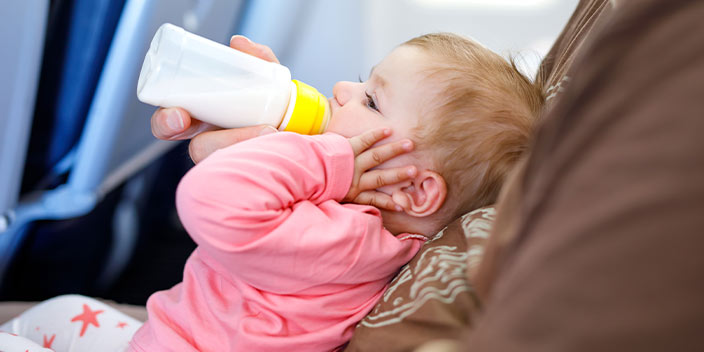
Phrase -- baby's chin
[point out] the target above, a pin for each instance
(398, 222)
(393, 221)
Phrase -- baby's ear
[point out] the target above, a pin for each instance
(424, 196)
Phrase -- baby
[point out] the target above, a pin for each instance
(289, 257)
(284, 262)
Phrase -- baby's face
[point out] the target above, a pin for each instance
(394, 97)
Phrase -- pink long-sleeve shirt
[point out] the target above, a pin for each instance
(280, 265)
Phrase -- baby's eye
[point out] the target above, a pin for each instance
(370, 102)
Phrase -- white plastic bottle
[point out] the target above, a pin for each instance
(226, 87)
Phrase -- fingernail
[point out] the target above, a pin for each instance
(407, 145)
(411, 172)
(267, 130)
(241, 36)
(174, 120)
(398, 208)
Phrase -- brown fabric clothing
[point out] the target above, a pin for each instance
(432, 297)
(553, 79)
(598, 242)
(554, 67)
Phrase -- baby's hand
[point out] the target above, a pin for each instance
(366, 181)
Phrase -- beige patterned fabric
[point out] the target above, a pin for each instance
(431, 297)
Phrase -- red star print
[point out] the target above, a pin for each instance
(121, 324)
(47, 343)
(87, 317)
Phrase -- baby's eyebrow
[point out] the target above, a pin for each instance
(381, 81)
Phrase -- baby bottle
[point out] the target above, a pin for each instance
(226, 87)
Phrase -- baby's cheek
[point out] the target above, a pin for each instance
(337, 125)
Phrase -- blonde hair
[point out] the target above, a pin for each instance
(481, 122)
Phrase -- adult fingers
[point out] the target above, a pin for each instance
(379, 178)
(378, 155)
(205, 143)
(245, 45)
(176, 124)
(377, 199)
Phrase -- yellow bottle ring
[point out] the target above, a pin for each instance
(311, 111)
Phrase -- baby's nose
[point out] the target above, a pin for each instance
(342, 91)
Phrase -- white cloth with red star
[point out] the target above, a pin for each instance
(70, 323)
(14, 343)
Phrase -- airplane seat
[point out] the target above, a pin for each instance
(74, 203)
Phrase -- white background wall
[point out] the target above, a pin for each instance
(325, 41)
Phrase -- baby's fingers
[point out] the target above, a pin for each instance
(378, 155)
(377, 199)
(379, 178)
(367, 139)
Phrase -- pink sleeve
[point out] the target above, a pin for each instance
(251, 205)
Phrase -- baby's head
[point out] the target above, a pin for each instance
(469, 112)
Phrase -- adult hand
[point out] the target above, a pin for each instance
(177, 124)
